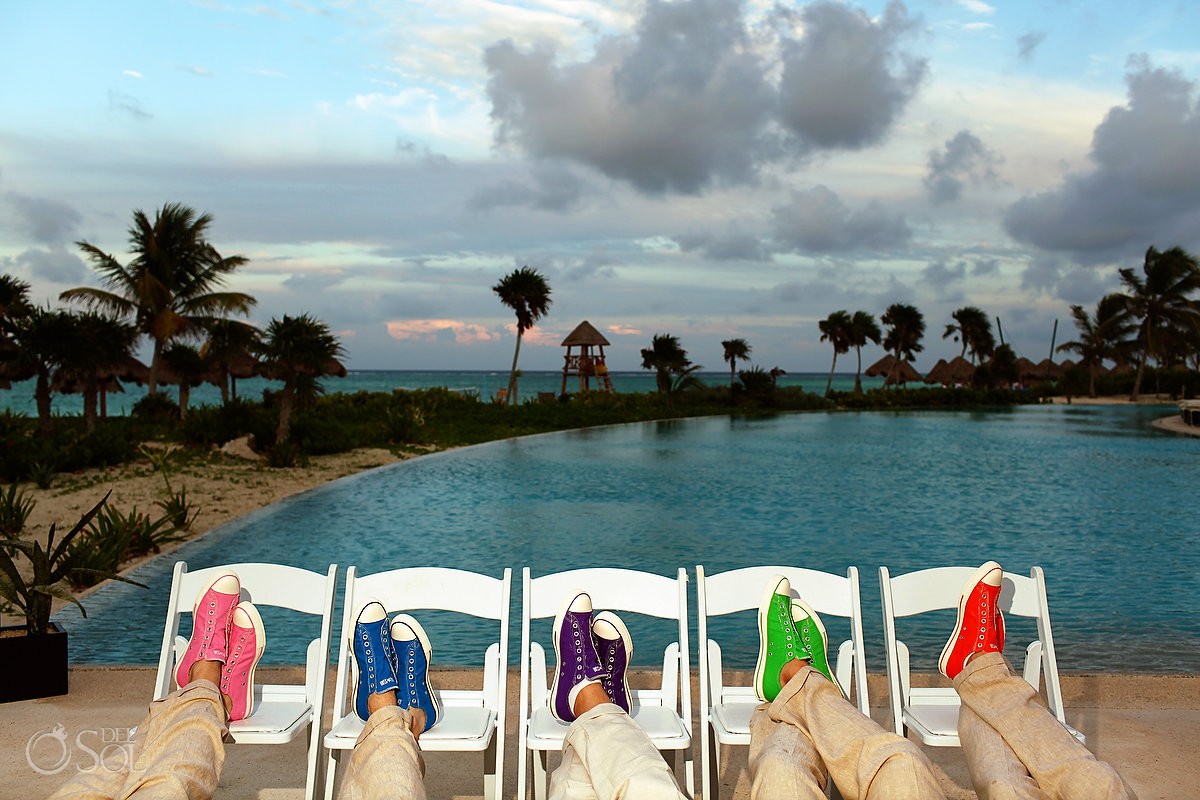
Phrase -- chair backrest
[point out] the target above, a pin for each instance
(264, 585)
(940, 588)
(741, 589)
(614, 590)
(432, 588)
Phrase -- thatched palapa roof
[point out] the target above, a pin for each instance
(584, 334)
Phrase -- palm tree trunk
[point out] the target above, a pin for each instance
(732, 367)
(103, 402)
(185, 394)
(284, 430)
(858, 374)
(89, 406)
(1092, 379)
(1145, 354)
(152, 379)
(512, 375)
(41, 393)
(225, 378)
(829, 383)
(233, 387)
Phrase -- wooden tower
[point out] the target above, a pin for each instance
(588, 363)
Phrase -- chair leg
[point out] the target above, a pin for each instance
(331, 764)
(711, 789)
(541, 779)
(489, 771)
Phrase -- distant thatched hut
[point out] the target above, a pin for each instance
(589, 362)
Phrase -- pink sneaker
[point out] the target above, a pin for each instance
(210, 626)
(980, 627)
(246, 643)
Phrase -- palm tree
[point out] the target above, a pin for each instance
(168, 287)
(667, 358)
(1161, 301)
(527, 293)
(97, 346)
(863, 329)
(835, 329)
(14, 299)
(296, 350)
(43, 339)
(906, 327)
(14, 304)
(972, 327)
(1102, 336)
(735, 350)
(229, 349)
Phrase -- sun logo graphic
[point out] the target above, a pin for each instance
(47, 751)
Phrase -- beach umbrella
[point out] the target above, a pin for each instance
(881, 367)
(961, 371)
(905, 373)
(1048, 370)
(940, 373)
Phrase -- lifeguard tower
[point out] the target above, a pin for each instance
(588, 363)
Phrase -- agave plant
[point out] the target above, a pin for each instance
(52, 567)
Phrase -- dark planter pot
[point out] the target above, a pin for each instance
(34, 666)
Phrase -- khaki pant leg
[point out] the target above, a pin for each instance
(784, 764)
(996, 772)
(178, 752)
(1062, 767)
(386, 762)
(619, 758)
(865, 761)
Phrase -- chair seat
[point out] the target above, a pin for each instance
(460, 728)
(662, 725)
(732, 721)
(280, 713)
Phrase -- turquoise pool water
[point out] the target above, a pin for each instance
(1103, 502)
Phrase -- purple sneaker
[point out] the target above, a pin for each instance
(578, 662)
(614, 645)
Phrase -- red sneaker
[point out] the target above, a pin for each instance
(246, 643)
(980, 627)
(210, 626)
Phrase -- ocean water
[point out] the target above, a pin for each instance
(479, 383)
(1103, 502)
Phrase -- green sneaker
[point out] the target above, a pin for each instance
(778, 641)
(813, 639)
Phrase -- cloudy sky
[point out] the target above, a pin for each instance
(707, 168)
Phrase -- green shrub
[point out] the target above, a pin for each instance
(15, 508)
(42, 473)
(216, 425)
(156, 408)
(177, 511)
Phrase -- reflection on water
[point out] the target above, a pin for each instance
(1105, 504)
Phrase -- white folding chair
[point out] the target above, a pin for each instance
(725, 711)
(281, 711)
(933, 712)
(472, 720)
(664, 713)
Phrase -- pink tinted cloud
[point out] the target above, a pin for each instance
(537, 336)
(623, 330)
(428, 330)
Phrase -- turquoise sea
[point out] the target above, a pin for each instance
(1104, 502)
(480, 383)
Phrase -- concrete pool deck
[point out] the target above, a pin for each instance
(1144, 725)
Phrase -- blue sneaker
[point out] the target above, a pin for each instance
(413, 652)
(374, 655)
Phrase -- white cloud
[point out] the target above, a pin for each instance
(132, 73)
(431, 329)
(976, 6)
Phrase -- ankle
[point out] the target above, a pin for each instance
(381, 700)
(589, 696)
(206, 671)
(789, 670)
